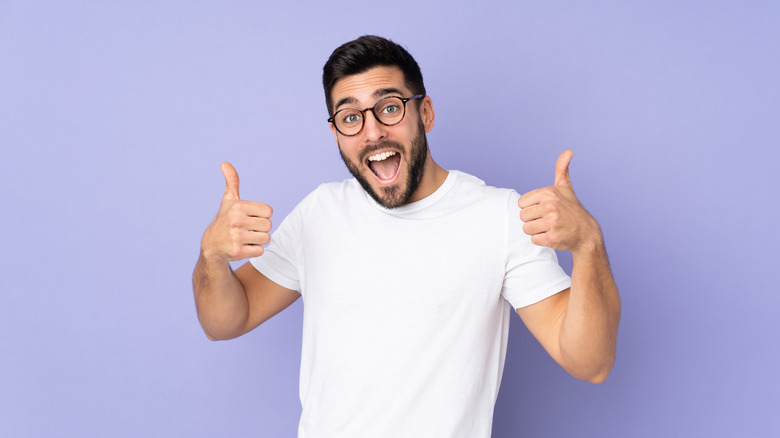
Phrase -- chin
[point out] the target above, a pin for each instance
(389, 194)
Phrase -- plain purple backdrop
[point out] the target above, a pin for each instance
(114, 117)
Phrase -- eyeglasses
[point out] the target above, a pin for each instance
(388, 111)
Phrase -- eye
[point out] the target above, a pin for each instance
(390, 109)
(350, 118)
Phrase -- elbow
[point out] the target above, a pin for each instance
(595, 377)
(593, 371)
(223, 332)
(597, 373)
(598, 378)
(212, 336)
(215, 334)
(216, 331)
(209, 335)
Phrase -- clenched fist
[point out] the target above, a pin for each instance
(240, 228)
(555, 218)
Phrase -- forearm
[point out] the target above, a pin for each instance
(220, 299)
(588, 335)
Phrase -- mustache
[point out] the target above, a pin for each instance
(385, 144)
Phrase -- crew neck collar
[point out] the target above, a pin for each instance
(423, 203)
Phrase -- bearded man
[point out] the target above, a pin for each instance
(409, 273)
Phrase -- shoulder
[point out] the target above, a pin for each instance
(474, 190)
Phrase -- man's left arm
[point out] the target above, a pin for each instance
(578, 327)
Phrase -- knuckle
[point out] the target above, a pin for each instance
(265, 225)
(236, 221)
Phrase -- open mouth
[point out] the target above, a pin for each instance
(385, 166)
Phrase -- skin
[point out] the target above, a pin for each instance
(577, 327)
(229, 303)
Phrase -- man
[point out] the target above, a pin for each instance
(407, 271)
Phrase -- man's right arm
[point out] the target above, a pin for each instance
(230, 303)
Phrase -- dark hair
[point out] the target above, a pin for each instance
(364, 53)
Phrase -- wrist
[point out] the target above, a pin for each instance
(212, 256)
(591, 245)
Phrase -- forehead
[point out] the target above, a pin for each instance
(364, 88)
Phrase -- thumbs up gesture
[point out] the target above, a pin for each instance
(554, 217)
(240, 228)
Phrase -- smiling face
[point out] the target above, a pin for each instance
(392, 163)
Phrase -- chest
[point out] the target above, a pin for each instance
(372, 260)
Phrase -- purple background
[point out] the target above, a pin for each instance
(114, 119)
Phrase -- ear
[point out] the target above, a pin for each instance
(335, 133)
(426, 113)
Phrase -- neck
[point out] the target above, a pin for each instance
(433, 177)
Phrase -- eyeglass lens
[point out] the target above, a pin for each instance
(388, 111)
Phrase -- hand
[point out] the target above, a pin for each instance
(240, 228)
(555, 218)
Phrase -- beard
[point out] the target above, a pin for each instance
(395, 195)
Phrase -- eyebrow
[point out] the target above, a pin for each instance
(378, 93)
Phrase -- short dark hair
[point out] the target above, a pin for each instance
(367, 52)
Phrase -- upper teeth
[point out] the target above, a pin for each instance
(382, 156)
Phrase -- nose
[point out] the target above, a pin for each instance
(373, 131)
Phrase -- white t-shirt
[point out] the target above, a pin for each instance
(405, 310)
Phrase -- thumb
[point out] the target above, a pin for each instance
(562, 169)
(231, 180)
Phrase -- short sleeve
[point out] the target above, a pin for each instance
(532, 271)
(281, 259)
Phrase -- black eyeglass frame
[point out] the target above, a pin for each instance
(363, 114)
